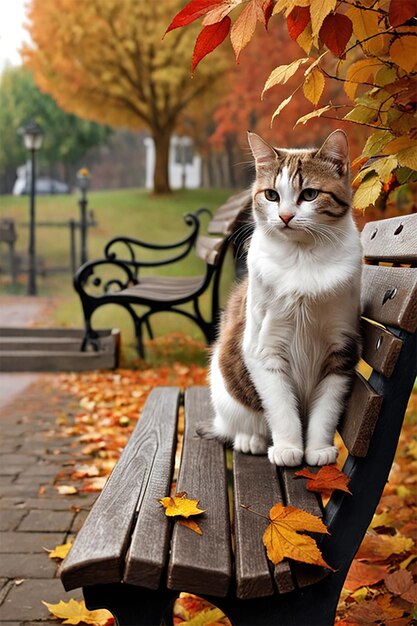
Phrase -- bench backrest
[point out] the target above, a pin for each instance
(373, 422)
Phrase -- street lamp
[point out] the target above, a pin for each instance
(83, 178)
(32, 140)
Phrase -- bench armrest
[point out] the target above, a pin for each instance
(87, 276)
(127, 247)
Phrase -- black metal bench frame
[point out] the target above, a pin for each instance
(160, 294)
(139, 587)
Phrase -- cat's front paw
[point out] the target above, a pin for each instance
(285, 456)
(250, 444)
(321, 456)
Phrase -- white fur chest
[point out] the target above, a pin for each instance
(301, 303)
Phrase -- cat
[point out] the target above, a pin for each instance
(289, 339)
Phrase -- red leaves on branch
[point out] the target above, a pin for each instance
(192, 11)
(335, 33)
(210, 37)
(297, 21)
(400, 11)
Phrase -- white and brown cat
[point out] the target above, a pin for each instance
(283, 363)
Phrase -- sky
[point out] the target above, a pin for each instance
(12, 33)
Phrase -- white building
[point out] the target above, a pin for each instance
(184, 166)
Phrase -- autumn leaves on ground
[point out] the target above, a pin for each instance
(380, 587)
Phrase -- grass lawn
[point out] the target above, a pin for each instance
(129, 212)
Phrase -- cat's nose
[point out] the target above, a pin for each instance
(286, 217)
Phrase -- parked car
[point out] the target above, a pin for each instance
(44, 185)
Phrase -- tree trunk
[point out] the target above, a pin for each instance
(162, 140)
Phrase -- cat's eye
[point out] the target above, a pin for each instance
(271, 195)
(309, 194)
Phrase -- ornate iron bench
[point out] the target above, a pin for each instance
(130, 559)
(117, 278)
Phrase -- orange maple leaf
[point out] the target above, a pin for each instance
(328, 479)
(180, 505)
(283, 539)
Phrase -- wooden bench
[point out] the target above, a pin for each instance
(126, 286)
(131, 559)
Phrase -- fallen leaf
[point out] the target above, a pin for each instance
(282, 537)
(60, 552)
(328, 479)
(66, 490)
(75, 612)
(191, 524)
(379, 547)
(401, 584)
(363, 574)
(180, 505)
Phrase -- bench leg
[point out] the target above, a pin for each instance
(129, 605)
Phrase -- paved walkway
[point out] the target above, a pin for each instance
(33, 515)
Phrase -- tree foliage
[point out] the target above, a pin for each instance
(67, 138)
(107, 61)
(369, 46)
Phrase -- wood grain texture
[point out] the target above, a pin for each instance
(256, 485)
(380, 348)
(159, 289)
(202, 563)
(389, 296)
(208, 248)
(146, 558)
(297, 495)
(358, 423)
(142, 474)
(393, 240)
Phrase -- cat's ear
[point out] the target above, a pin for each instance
(336, 149)
(262, 151)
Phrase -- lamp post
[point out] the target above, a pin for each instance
(32, 139)
(83, 178)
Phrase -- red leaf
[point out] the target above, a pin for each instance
(336, 32)
(401, 11)
(297, 20)
(191, 12)
(267, 8)
(209, 38)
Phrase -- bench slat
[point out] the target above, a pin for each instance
(142, 475)
(389, 296)
(393, 240)
(208, 248)
(380, 348)
(202, 563)
(360, 418)
(160, 289)
(146, 557)
(297, 495)
(256, 484)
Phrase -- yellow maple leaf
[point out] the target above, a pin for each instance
(313, 86)
(75, 612)
(283, 539)
(180, 505)
(60, 552)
